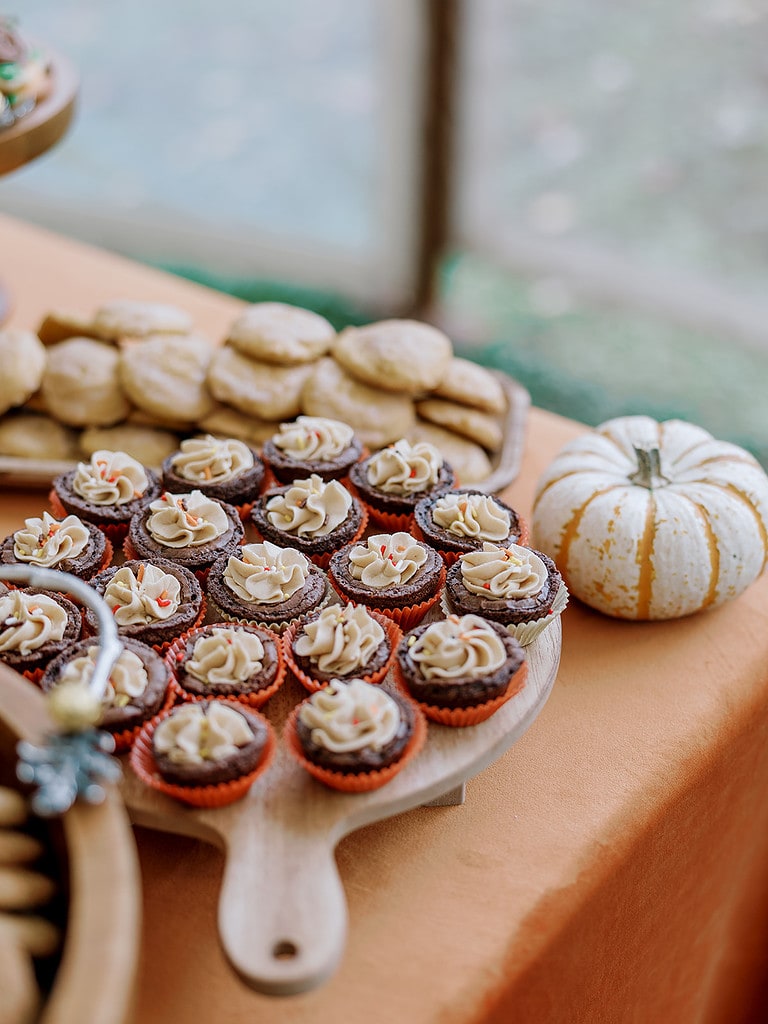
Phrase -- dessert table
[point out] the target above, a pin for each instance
(611, 866)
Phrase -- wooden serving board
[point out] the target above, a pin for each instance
(282, 907)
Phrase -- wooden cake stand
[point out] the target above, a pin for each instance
(39, 130)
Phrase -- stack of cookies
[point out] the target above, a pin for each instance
(135, 377)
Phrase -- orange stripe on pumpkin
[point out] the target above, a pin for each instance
(644, 559)
(734, 490)
(572, 528)
(714, 553)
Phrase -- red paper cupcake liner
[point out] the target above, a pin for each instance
(407, 616)
(355, 782)
(143, 763)
(256, 699)
(463, 717)
(394, 635)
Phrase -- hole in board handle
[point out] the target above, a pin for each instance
(285, 950)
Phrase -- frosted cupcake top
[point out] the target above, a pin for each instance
(265, 573)
(193, 734)
(28, 621)
(350, 716)
(149, 595)
(313, 439)
(386, 560)
(226, 656)
(310, 508)
(476, 516)
(503, 573)
(208, 460)
(402, 468)
(458, 647)
(127, 680)
(342, 639)
(110, 478)
(48, 541)
(186, 520)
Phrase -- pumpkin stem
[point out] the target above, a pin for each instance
(648, 473)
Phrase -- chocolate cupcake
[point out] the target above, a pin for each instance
(312, 445)
(242, 662)
(354, 736)
(516, 586)
(463, 520)
(315, 517)
(394, 479)
(67, 545)
(137, 687)
(267, 585)
(225, 469)
(107, 491)
(394, 573)
(190, 529)
(207, 743)
(339, 642)
(152, 601)
(462, 662)
(35, 626)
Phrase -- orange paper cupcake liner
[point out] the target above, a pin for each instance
(143, 763)
(461, 717)
(393, 522)
(351, 782)
(57, 508)
(256, 699)
(394, 636)
(34, 675)
(125, 739)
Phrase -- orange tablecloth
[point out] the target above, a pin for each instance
(612, 866)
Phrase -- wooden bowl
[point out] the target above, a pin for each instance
(92, 848)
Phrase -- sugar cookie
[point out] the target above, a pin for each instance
(477, 426)
(376, 418)
(129, 318)
(165, 376)
(471, 384)
(274, 332)
(28, 435)
(148, 445)
(396, 355)
(57, 326)
(81, 384)
(22, 358)
(263, 390)
(227, 422)
(469, 461)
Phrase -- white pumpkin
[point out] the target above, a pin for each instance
(650, 520)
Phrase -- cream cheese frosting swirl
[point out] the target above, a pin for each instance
(48, 541)
(386, 560)
(127, 680)
(403, 468)
(340, 639)
(503, 573)
(28, 621)
(458, 647)
(192, 735)
(226, 656)
(186, 520)
(150, 595)
(110, 478)
(310, 508)
(347, 717)
(209, 460)
(313, 439)
(472, 515)
(265, 573)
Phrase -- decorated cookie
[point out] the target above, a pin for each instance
(81, 384)
(129, 318)
(259, 389)
(165, 376)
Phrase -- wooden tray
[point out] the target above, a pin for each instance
(282, 909)
(38, 473)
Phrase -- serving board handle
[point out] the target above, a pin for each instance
(282, 908)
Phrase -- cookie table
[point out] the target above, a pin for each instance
(611, 866)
